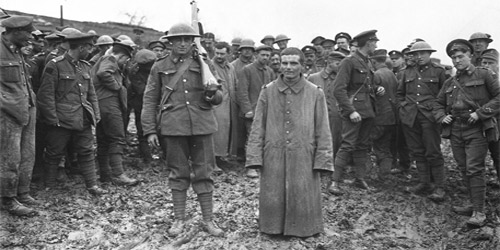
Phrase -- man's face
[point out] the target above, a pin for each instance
(275, 62)
(181, 44)
(263, 56)
(397, 61)
(461, 60)
(343, 43)
(27, 50)
(209, 44)
(282, 44)
(328, 46)
(491, 64)
(291, 67)
(479, 45)
(269, 42)
(85, 50)
(159, 51)
(422, 57)
(332, 64)
(122, 60)
(220, 55)
(20, 38)
(310, 58)
(246, 52)
(372, 46)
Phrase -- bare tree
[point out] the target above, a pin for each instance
(136, 19)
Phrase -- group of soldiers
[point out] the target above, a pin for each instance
(287, 114)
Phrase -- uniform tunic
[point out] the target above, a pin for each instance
(290, 139)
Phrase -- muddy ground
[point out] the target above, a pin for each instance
(138, 217)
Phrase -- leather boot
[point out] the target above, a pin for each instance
(478, 219)
(463, 210)
(14, 207)
(422, 188)
(27, 199)
(334, 189)
(437, 195)
(96, 190)
(361, 183)
(212, 228)
(124, 180)
(176, 227)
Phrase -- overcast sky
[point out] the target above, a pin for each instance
(397, 22)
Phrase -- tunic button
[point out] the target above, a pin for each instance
(185, 91)
(288, 132)
(418, 93)
(287, 141)
(187, 102)
(419, 78)
(288, 112)
(287, 121)
(80, 84)
(417, 102)
(355, 99)
(184, 80)
(418, 86)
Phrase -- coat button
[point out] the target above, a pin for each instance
(187, 102)
(184, 80)
(185, 91)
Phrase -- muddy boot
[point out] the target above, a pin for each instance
(206, 205)
(478, 219)
(96, 190)
(334, 189)
(463, 210)
(14, 207)
(28, 200)
(437, 195)
(124, 180)
(422, 188)
(252, 173)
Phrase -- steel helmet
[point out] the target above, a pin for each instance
(247, 43)
(69, 32)
(123, 38)
(480, 35)
(421, 46)
(236, 41)
(267, 37)
(104, 40)
(281, 37)
(182, 29)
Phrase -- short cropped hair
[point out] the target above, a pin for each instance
(223, 45)
(293, 51)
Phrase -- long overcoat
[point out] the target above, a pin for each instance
(291, 140)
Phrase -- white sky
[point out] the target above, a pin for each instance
(397, 22)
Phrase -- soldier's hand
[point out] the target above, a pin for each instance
(249, 114)
(473, 118)
(355, 117)
(153, 140)
(380, 91)
(447, 119)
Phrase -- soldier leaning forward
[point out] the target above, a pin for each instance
(467, 105)
(68, 106)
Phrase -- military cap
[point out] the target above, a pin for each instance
(247, 43)
(263, 47)
(366, 36)
(19, 22)
(317, 40)
(379, 53)
(491, 54)
(78, 37)
(459, 44)
(54, 37)
(163, 39)
(281, 37)
(38, 33)
(308, 49)
(337, 55)
(405, 51)
(236, 41)
(328, 40)
(127, 45)
(395, 54)
(267, 37)
(154, 44)
(344, 35)
(144, 56)
(3, 14)
(480, 35)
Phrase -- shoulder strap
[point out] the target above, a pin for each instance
(467, 96)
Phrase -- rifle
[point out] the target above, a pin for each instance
(208, 78)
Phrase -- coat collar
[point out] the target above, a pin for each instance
(296, 87)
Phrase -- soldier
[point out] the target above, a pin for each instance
(385, 119)
(398, 62)
(354, 91)
(317, 40)
(275, 62)
(268, 40)
(342, 40)
(489, 59)
(328, 45)
(66, 82)
(17, 118)
(109, 82)
(325, 79)
(104, 43)
(310, 61)
(158, 48)
(480, 41)
(208, 42)
(186, 123)
(282, 41)
(226, 111)
(250, 81)
(416, 93)
(138, 79)
(235, 45)
(465, 106)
